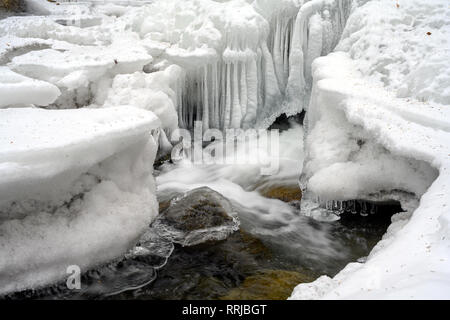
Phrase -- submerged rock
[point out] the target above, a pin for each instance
(208, 270)
(200, 215)
(284, 193)
(268, 285)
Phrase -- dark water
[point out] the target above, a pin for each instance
(243, 266)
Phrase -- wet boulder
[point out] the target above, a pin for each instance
(287, 193)
(268, 285)
(200, 215)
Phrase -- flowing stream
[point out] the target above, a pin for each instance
(278, 244)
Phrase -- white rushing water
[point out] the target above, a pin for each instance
(279, 223)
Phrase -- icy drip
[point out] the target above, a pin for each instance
(279, 43)
(221, 95)
(249, 85)
(361, 207)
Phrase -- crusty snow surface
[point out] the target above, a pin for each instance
(76, 188)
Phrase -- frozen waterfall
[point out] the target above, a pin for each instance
(253, 78)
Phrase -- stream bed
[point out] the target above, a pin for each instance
(227, 232)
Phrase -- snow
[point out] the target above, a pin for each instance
(80, 65)
(243, 70)
(77, 184)
(76, 188)
(378, 89)
(159, 92)
(13, 85)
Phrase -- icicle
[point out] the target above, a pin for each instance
(191, 104)
(260, 81)
(236, 112)
(363, 211)
(287, 44)
(243, 88)
(222, 96)
(199, 80)
(180, 104)
(215, 95)
(271, 90)
(277, 55)
(314, 47)
(372, 208)
(227, 114)
(205, 117)
(341, 207)
(353, 207)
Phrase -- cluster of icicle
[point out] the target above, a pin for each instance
(250, 84)
(362, 207)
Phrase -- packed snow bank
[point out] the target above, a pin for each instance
(418, 66)
(13, 86)
(359, 97)
(78, 70)
(76, 189)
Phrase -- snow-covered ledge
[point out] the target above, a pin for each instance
(76, 188)
(413, 258)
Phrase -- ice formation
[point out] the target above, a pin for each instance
(242, 70)
(378, 120)
(158, 92)
(76, 188)
(376, 124)
(13, 85)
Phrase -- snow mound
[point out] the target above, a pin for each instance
(412, 260)
(341, 148)
(80, 65)
(11, 46)
(76, 189)
(13, 86)
(406, 48)
(387, 92)
(159, 92)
